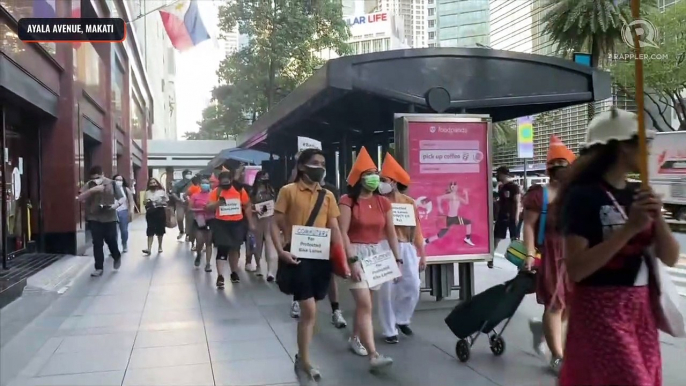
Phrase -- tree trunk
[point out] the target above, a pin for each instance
(270, 85)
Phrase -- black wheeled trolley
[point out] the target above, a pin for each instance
(485, 311)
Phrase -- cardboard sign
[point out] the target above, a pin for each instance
(232, 208)
(380, 268)
(310, 242)
(265, 209)
(403, 215)
(308, 143)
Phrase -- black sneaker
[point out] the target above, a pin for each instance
(405, 329)
(117, 263)
(235, 278)
(270, 278)
(197, 261)
(220, 282)
(391, 339)
(490, 264)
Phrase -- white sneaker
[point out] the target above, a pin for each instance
(379, 362)
(468, 241)
(295, 310)
(96, 273)
(357, 346)
(538, 339)
(556, 365)
(337, 319)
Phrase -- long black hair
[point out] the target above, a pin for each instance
(258, 182)
(303, 159)
(124, 182)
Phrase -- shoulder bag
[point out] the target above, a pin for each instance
(517, 252)
(287, 274)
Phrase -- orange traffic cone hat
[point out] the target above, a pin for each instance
(558, 150)
(363, 163)
(392, 169)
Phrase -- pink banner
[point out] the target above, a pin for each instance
(451, 182)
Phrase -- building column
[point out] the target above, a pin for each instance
(126, 158)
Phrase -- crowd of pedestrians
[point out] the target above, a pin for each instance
(591, 237)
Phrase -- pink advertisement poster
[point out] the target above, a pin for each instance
(448, 163)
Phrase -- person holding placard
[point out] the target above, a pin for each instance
(263, 195)
(201, 223)
(397, 301)
(615, 242)
(366, 221)
(307, 216)
(231, 204)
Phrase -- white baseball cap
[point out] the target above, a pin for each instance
(614, 125)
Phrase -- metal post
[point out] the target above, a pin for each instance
(525, 183)
(3, 180)
(343, 158)
(41, 226)
(465, 276)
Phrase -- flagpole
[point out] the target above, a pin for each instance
(140, 16)
(640, 104)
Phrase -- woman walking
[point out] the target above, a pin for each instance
(366, 221)
(263, 196)
(124, 198)
(397, 301)
(611, 228)
(201, 223)
(552, 286)
(156, 200)
(231, 204)
(305, 203)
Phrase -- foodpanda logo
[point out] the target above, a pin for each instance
(449, 130)
(432, 129)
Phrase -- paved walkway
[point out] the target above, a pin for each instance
(160, 321)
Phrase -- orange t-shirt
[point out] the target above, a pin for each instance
(235, 202)
(192, 190)
(368, 220)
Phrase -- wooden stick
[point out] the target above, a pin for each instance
(640, 104)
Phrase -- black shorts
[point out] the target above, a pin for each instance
(309, 279)
(450, 221)
(156, 219)
(228, 234)
(503, 225)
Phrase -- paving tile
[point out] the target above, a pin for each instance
(86, 362)
(107, 342)
(170, 337)
(237, 333)
(254, 372)
(153, 317)
(249, 349)
(106, 378)
(191, 354)
(193, 375)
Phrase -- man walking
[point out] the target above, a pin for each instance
(509, 204)
(101, 214)
(179, 192)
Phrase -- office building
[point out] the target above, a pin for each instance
(431, 23)
(412, 15)
(375, 32)
(462, 23)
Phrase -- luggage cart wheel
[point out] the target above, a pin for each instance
(497, 345)
(462, 350)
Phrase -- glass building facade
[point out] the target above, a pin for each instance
(462, 23)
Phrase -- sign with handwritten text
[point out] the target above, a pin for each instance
(403, 215)
(380, 268)
(310, 242)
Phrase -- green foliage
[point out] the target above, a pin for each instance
(505, 132)
(664, 67)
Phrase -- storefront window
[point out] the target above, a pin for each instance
(117, 92)
(90, 72)
(137, 121)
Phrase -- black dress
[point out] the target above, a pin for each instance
(156, 219)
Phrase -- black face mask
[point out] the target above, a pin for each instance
(225, 185)
(554, 172)
(315, 174)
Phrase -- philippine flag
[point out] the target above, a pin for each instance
(44, 9)
(183, 25)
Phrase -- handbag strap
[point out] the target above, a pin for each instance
(317, 207)
(616, 205)
(544, 217)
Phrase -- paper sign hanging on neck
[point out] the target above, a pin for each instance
(308, 143)
(403, 215)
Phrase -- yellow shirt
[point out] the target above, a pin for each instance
(407, 234)
(296, 201)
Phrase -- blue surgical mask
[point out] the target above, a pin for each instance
(205, 187)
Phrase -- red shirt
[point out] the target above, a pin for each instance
(368, 220)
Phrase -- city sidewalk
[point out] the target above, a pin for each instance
(159, 321)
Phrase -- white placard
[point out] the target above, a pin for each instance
(16, 183)
(21, 165)
(231, 208)
(380, 268)
(268, 206)
(308, 143)
(310, 242)
(403, 215)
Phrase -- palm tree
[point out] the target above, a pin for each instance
(505, 132)
(588, 25)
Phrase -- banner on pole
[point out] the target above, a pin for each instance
(525, 137)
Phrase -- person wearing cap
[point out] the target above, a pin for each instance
(180, 198)
(397, 301)
(506, 220)
(306, 279)
(551, 276)
(337, 318)
(613, 233)
(366, 221)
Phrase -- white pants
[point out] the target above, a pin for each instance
(397, 301)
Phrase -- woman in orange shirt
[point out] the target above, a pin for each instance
(231, 204)
(366, 221)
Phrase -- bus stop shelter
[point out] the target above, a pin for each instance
(351, 101)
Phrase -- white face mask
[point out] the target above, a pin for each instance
(385, 188)
(98, 180)
(119, 183)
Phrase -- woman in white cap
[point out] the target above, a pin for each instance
(609, 225)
